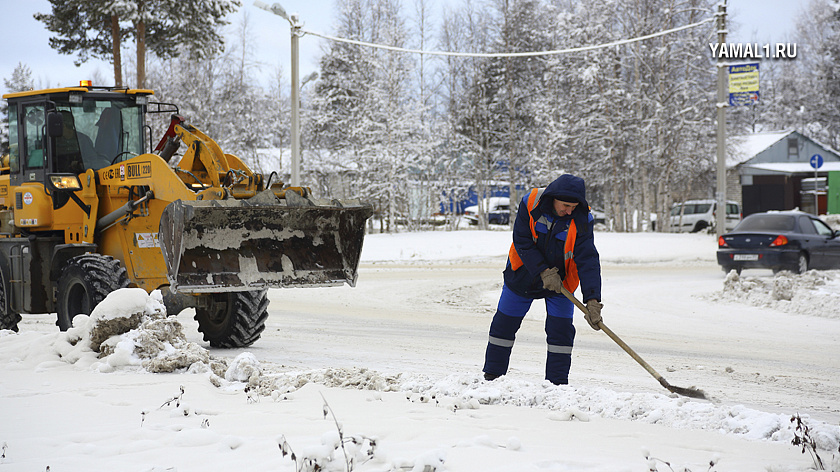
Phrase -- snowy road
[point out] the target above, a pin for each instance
(422, 306)
(433, 318)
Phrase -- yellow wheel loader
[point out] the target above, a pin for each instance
(89, 205)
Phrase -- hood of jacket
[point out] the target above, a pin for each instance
(566, 185)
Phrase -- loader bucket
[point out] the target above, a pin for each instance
(238, 245)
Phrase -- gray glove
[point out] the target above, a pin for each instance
(552, 280)
(593, 315)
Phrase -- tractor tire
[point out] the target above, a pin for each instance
(85, 281)
(8, 319)
(232, 319)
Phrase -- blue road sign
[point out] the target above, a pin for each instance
(816, 161)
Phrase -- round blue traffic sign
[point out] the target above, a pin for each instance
(816, 161)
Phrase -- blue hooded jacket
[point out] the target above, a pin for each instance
(548, 250)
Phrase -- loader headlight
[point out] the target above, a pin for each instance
(65, 182)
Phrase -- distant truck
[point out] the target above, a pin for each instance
(693, 216)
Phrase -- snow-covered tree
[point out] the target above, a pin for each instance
(227, 103)
(364, 105)
(165, 27)
(633, 120)
(21, 80)
(802, 93)
(818, 69)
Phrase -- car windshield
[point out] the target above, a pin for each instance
(765, 222)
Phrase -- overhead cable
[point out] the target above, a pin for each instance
(510, 54)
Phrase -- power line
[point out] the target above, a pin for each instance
(509, 54)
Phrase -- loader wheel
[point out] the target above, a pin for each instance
(232, 319)
(85, 281)
(8, 319)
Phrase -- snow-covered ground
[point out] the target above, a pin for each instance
(390, 369)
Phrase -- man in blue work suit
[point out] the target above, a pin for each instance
(553, 247)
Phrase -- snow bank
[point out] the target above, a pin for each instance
(129, 328)
(567, 403)
(815, 293)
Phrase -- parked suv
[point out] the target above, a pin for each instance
(496, 210)
(698, 215)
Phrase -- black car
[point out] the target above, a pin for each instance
(780, 240)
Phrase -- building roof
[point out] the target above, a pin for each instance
(793, 167)
(744, 148)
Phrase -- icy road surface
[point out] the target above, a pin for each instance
(432, 317)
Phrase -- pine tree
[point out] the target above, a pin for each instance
(90, 28)
(165, 27)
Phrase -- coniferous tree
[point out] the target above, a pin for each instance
(165, 27)
(90, 28)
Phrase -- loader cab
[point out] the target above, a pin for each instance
(70, 130)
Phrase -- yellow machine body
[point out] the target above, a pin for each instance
(82, 178)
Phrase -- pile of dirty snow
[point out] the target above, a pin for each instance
(814, 293)
(129, 328)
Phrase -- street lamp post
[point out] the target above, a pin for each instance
(296, 26)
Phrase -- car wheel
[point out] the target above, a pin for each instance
(700, 226)
(802, 266)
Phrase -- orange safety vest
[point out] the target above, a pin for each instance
(571, 281)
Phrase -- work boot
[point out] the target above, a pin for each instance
(490, 377)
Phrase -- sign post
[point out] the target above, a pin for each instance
(816, 163)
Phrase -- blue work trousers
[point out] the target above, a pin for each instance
(559, 330)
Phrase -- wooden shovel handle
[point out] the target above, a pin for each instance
(618, 341)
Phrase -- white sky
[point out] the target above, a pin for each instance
(25, 40)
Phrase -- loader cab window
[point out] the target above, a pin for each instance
(106, 132)
(33, 136)
(14, 144)
(70, 146)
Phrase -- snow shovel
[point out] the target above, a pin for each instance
(686, 392)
